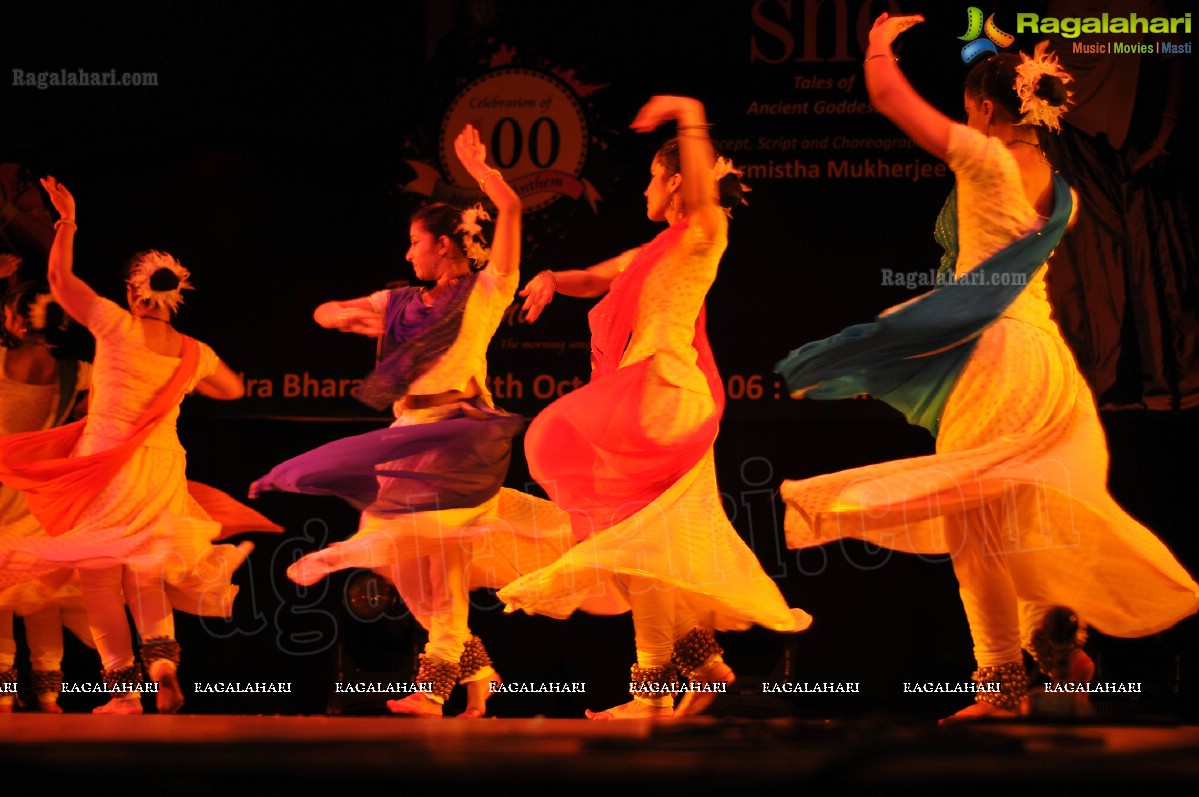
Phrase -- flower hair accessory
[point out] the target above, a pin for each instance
(721, 169)
(472, 234)
(1036, 110)
(37, 313)
(147, 265)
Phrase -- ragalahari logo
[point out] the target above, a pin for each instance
(975, 28)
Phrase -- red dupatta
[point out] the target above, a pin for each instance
(589, 450)
(58, 487)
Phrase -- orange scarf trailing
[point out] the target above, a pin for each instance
(58, 487)
(589, 450)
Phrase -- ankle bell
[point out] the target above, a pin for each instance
(437, 677)
(1003, 686)
(694, 651)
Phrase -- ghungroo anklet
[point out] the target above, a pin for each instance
(160, 647)
(654, 685)
(1010, 680)
(474, 658)
(694, 650)
(47, 682)
(123, 679)
(442, 676)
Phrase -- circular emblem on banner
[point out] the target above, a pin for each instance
(534, 131)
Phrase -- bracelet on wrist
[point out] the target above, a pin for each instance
(553, 278)
(703, 126)
(69, 222)
(888, 56)
(487, 175)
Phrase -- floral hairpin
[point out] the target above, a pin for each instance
(37, 313)
(721, 169)
(472, 234)
(147, 265)
(1036, 110)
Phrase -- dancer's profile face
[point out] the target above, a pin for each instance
(978, 112)
(657, 193)
(423, 252)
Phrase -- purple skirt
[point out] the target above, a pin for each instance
(458, 461)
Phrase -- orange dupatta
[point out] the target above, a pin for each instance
(59, 486)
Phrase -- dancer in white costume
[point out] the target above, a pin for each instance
(37, 390)
(628, 458)
(429, 484)
(1016, 492)
(115, 500)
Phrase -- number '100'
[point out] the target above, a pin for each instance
(507, 148)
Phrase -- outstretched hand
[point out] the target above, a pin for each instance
(538, 293)
(470, 151)
(887, 28)
(63, 202)
(664, 108)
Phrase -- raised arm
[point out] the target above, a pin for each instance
(894, 97)
(75, 295)
(586, 283)
(505, 247)
(696, 154)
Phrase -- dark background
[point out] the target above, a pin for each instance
(270, 160)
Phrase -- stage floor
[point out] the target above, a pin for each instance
(277, 755)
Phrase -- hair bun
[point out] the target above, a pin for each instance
(164, 279)
(1052, 90)
(730, 190)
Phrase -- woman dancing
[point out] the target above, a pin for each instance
(37, 391)
(111, 491)
(1016, 492)
(628, 457)
(426, 484)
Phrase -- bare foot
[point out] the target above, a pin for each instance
(697, 702)
(633, 710)
(49, 706)
(477, 693)
(417, 705)
(170, 695)
(306, 571)
(131, 704)
(979, 712)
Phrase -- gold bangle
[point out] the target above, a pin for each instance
(553, 279)
(486, 176)
(870, 58)
(68, 222)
